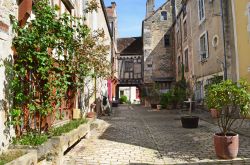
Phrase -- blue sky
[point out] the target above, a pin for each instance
(130, 15)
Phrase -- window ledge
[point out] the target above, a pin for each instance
(203, 60)
(202, 21)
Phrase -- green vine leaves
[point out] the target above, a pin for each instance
(53, 56)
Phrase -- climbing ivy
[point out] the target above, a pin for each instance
(53, 56)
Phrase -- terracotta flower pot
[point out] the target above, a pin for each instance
(159, 107)
(91, 115)
(214, 113)
(226, 147)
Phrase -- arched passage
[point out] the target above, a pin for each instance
(132, 91)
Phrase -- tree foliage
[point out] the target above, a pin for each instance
(54, 54)
(230, 100)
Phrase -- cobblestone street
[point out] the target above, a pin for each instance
(137, 135)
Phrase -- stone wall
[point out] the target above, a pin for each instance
(215, 53)
(157, 57)
(7, 7)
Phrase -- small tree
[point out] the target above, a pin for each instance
(54, 55)
(230, 99)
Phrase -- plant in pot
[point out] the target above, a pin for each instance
(215, 80)
(232, 100)
(154, 96)
(190, 121)
(166, 99)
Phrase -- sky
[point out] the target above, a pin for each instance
(130, 15)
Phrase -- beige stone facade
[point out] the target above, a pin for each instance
(199, 50)
(157, 45)
(7, 7)
(202, 44)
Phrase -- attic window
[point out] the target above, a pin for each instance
(164, 15)
(150, 65)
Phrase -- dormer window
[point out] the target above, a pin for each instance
(164, 15)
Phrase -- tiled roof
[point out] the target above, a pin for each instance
(130, 46)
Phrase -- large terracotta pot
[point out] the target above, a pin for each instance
(214, 113)
(91, 115)
(226, 147)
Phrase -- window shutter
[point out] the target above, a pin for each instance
(207, 45)
(24, 11)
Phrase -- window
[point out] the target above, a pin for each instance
(201, 10)
(164, 15)
(128, 66)
(111, 25)
(166, 40)
(149, 65)
(199, 91)
(203, 46)
(186, 60)
(185, 29)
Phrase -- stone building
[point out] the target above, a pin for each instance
(158, 45)
(207, 44)
(112, 18)
(99, 87)
(130, 63)
(183, 43)
(7, 7)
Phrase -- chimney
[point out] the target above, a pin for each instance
(150, 7)
(113, 5)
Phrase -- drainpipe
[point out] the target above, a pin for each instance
(224, 42)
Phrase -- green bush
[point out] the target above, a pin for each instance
(229, 99)
(123, 99)
(35, 139)
(166, 99)
(67, 127)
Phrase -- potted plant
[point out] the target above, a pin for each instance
(215, 80)
(154, 96)
(190, 121)
(232, 100)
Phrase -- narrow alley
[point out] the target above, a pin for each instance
(137, 135)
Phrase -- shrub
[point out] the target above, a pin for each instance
(229, 99)
(166, 99)
(67, 127)
(123, 99)
(33, 139)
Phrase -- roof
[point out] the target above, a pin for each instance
(129, 46)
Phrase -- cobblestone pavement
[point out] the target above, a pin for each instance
(135, 135)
